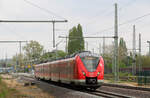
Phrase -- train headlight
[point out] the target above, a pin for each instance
(83, 73)
(98, 73)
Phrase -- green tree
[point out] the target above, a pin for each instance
(123, 60)
(33, 50)
(18, 59)
(53, 55)
(145, 60)
(108, 57)
(76, 40)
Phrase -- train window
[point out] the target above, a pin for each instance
(90, 63)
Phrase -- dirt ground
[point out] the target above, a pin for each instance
(24, 91)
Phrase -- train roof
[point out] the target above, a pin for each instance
(81, 54)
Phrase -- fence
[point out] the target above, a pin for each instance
(143, 78)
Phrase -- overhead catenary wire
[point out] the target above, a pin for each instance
(8, 28)
(43, 9)
(110, 28)
(104, 12)
(124, 23)
(127, 4)
(100, 13)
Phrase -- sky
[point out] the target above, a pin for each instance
(95, 16)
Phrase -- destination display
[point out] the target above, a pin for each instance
(89, 54)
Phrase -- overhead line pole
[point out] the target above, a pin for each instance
(66, 45)
(86, 45)
(140, 53)
(103, 46)
(99, 48)
(134, 52)
(149, 46)
(15, 42)
(36, 21)
(116, 44)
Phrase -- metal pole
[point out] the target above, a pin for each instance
(36, 21)
(56, 50)
(103, 46)
(5, 62)
(20, 46)
(53, 34)
(113, 60)
(116, 44)
(134, 52)
(99, 48)
(87, 46)
(93, 50)
(20, 53)
(66, 45)
(139, 52)
(149, 46)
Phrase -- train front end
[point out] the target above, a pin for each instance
(90, 70)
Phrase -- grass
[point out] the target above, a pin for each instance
(127, 77)
(6, 92)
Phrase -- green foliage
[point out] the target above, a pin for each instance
(125, 74)
(61, 54)
(129, 61)
(122, 65)
(6, 92)
(53, 55)
(33, 50)
(145, 60)
(76, 40)
(123, 60)
(108, 60)
(108, 57)
(18, 59)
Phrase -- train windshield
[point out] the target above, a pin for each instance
(90, 63)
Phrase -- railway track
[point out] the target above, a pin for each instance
(109, 94)
(126, 87)
(97, 92)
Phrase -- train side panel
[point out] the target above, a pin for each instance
(66, 70)
(72, 70)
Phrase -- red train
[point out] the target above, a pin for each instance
(83, 69)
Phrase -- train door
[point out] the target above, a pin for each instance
(52, 72)
(49, 71)
(68, 70)
(59, 71)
